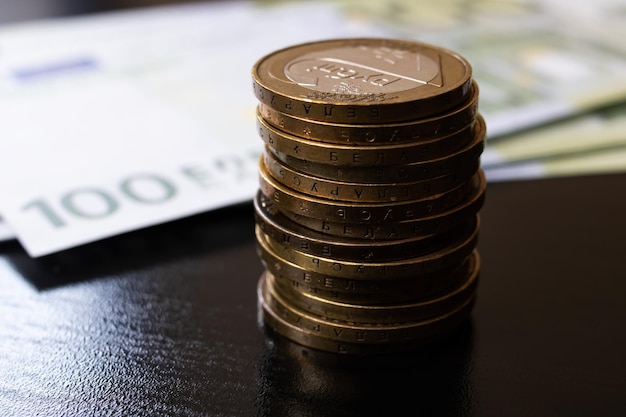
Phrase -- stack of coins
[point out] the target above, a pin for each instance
(370, 187)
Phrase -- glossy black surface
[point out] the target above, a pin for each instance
(163, 321)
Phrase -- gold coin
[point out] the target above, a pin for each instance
(312, 340)
(362, 156)
(378, 134)
(362, 333)
(458, 160)
(379, 313)
(452, 253)
(274, 322)
(278, 227)
(362, 80)
(374, 292)
(422, 226)
(284, 268)
(350, 212)
(364, 192)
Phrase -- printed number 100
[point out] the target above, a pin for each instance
(95, 203)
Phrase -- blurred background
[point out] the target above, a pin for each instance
(15, 11)
(537, 61)
(552, 77)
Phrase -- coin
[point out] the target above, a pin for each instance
(364, 192)
(374, 292)
(458, 160)
(377, 134)
(362, 156)
(277, 226)
(361, 333)
(280, 265)
(425, 225)
(362, 80)
(370, 291)
(350, 212)
(451, 254)
(378, 313)
(307, 338)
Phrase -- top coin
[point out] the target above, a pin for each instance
(362, 81)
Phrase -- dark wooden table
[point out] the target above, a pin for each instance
(163, 321)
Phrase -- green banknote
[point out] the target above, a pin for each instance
(535, 61)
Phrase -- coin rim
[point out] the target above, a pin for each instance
(397, 132)
(407, 105)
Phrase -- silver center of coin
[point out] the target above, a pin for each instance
(362, 70)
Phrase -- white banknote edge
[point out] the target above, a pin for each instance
(123, 139)
(601, 129)
(190, 192)
(590, 163)
(6, 233)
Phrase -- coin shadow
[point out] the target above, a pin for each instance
(432, 380)
(195, 237)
